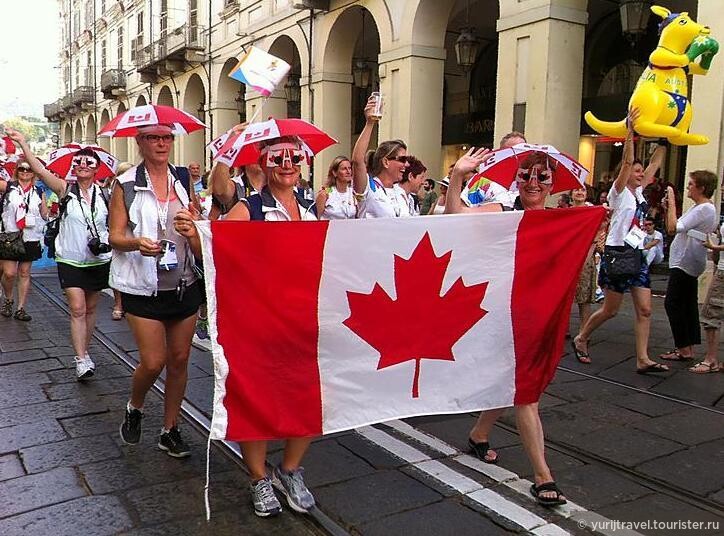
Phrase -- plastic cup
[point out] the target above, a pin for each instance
(379, 101)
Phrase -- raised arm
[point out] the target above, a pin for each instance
(670, 211)
(53, 182)
(220, 184)
(628, 152)
(657, 159)
(359, 166)
(467, 163)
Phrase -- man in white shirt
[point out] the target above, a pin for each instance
(412, 178)
(196, 179)
(653, 245)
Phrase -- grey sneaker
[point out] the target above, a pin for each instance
(84, 368)
(294, 489)
(265, 501)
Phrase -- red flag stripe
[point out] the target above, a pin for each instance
(267, 324)
(540, 304)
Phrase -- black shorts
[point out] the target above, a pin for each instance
(92, 278)
(33, 252)
(164, 305)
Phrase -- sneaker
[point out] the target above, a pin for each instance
(90, 362)
(20, 314)
(294, 489)
(84, 368)
(202, 328)
(131, 427)
(265, 501)
(7, 309)
(172, 443)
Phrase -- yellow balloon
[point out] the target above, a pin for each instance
(661, 94)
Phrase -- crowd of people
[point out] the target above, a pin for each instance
(136, 234)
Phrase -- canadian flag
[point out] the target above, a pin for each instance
(319, 327)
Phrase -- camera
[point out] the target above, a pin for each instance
(97, 247)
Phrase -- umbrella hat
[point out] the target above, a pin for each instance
(127, 123)
(502, 165)
(60, 160)
(243, 148)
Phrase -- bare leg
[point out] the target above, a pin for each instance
(150, 336)
(78, 330)
(178, 344)
(482, 428)
(254, 453)
(531, 434)
(611, 304)
(23, 283)
(294, 451)
(9, 273)
(584, 312)
(642, 324)
(91, 302)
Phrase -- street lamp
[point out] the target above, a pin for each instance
(292, 89)
(362, 74)
(466, 48)
(634, 18)
(201, 112)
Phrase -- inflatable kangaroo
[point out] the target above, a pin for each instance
(661, 94)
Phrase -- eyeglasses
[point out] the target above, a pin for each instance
(402, 159)
(23, 169)
(85, 161)
(279, 157)
(155, 138)
(543, 176)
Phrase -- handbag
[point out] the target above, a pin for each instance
(622, 261)
(12, 247)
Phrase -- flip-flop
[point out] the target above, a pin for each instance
(704, 368)
(582, 356)
(482, 451)
(675, 355)
(653, 367)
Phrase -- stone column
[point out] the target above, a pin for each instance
(540, 66)
(332, 113)
(411, 81)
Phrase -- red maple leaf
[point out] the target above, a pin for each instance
(420, 323)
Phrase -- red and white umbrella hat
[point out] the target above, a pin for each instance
(128, 123)
(243, 148)
(7, 146)
(60, 160)
(502, 165)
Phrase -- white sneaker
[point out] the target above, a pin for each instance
(90, 362)
(84, 368)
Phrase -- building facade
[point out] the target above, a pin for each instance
(533, 65)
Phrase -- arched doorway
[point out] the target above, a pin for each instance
(165, 98)
(67, 134)
(194, 99)
(91, 133)
(230, 106)
(78, 132)
(141, 100)
(119, 146)
(104, 141)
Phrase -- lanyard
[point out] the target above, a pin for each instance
(394, 201)
(162, 209)
(92, 219)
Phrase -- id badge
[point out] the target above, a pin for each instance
(30, 220)
(168, 260)
(635, 237)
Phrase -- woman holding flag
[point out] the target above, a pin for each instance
(281, 160)
(23, 207)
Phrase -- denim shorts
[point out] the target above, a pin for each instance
(621, 284)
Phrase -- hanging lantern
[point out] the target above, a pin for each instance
(292, 89)
(466, 48)
(634, 17)
(362, 74)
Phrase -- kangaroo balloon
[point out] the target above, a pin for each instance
(661, 94)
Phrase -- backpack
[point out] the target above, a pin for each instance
(180, 174)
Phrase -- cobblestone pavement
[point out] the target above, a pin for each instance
(623, 447)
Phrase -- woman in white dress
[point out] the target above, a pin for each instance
(335, 201)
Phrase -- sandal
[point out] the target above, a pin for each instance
(704, 368)
(7, 308)
(675, 355)
(482, 451)
(582, 356)
(117, 314)
(653, 367)
(20, 314)
(547, 501)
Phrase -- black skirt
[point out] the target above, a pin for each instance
(33, 252)
(165, 304)
(92, 278)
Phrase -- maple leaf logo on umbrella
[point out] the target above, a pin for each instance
(420, 323)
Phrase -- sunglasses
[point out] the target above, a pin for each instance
(543, 176)
(23, 169)
(279, 157)
(155, 138)
(85, 161)
(401, 159)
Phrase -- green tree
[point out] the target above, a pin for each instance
(31, 132)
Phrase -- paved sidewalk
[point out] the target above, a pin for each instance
(63, 468)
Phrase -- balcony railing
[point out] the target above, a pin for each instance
(52, 111)
(83, 95)
(113, 82)
(66, 103)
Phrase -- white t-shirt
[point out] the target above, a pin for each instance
(687, 253)
(34, 224)
(659, 248)
(624, 211)
(339, 206)
(71, 246)
(720, 264)
(380, 202)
